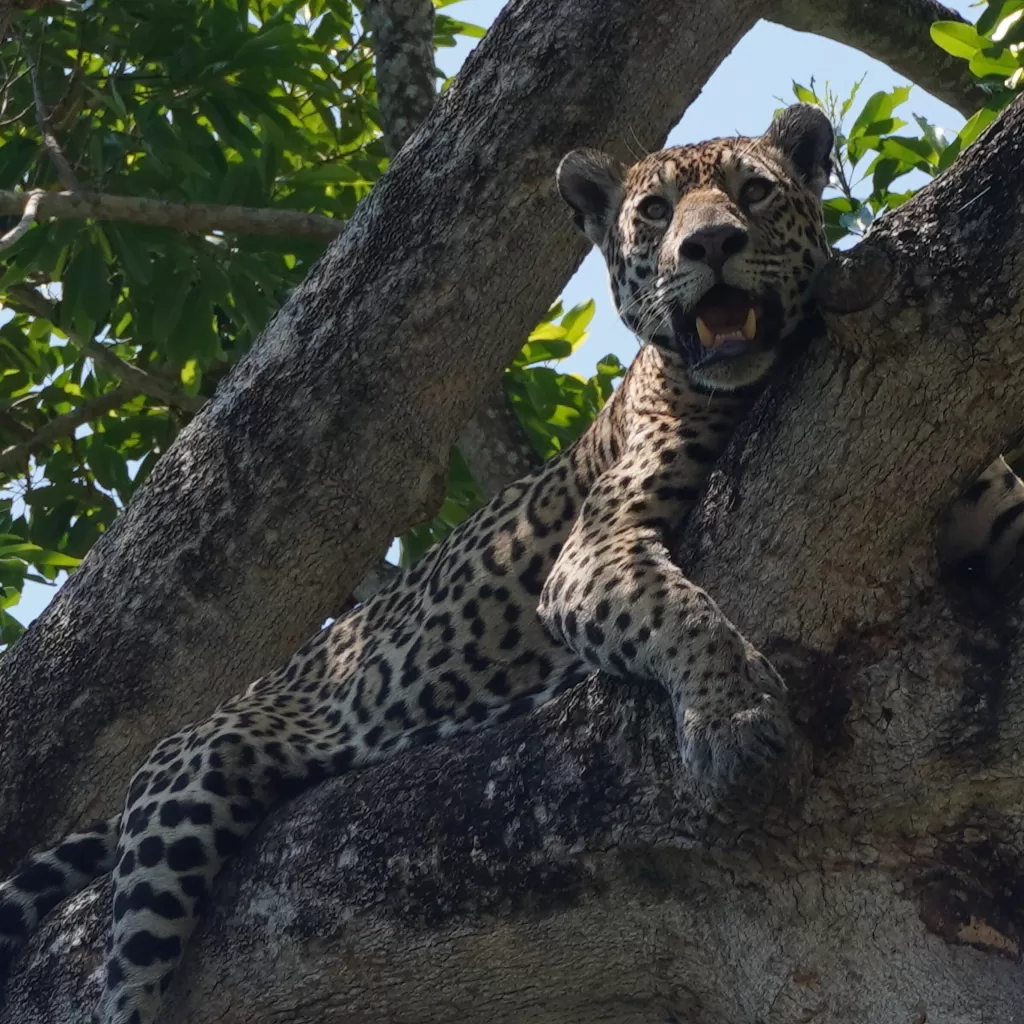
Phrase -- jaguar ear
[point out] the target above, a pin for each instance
(804, 135)
(591, 183)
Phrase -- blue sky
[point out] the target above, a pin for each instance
(738, 99)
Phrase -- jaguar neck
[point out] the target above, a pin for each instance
(656, 388)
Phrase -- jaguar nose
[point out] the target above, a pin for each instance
(714, 245)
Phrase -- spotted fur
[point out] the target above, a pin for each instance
(982, 535)
(565, 572)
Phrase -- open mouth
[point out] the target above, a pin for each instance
(726, 323)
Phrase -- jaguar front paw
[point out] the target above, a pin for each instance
(735, 730)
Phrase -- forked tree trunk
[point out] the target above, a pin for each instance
(333, 435)
(559, 870)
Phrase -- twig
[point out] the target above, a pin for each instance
(139, 380)
(28, 218)
(67, 176)
(195, 218)
(65, 424)
(13, 426)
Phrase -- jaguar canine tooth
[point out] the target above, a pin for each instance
(707, 336)
(750, 325)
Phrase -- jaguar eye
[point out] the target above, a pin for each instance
(756, 190)
(655, 208)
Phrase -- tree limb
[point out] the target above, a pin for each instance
(332, 435)
(403, 48)
(895, 32)
(493, 443)
(14, 456)
(192, 218)
(137, 379)
(559, 870)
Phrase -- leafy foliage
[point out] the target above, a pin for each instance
(875, 154)
(268, 103)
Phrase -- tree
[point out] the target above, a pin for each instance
(559, 869)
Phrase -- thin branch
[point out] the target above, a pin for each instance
(897, 34)
(379, 576)
(67, 176)
(65, 425)
(28, 218)
(403, 46)
(14, 426)
(194, 218)
(139, 380)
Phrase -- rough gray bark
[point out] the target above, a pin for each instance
(495, 446)
(559, 870)
(333, 434)
(896, 32)
(493, 443)
(403, 58)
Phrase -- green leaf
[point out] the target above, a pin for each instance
(576, 321)
(165, 307)
(878, 108)
(957, 38)
(548, 332)
(848, 102)
(542, 350)
(195, 337)
(996, 13)
(86, 291)
(109, 467)
(56, 559)
(16, 156)
(970, 131)
(938, 137)
(910, 152)
(130, 251)
(448, 26)
(994, 60)
(805, 95)
(1009, 28)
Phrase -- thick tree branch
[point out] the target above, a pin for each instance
(14, 456)
(493, 443)
(895, 32)
(559, 870)
(332, 435)
(135, 378)
(192, 218)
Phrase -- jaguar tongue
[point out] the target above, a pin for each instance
(723, 315)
